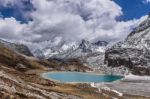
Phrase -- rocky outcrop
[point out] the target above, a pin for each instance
(134, 52)
(101, 43)
(85, 46)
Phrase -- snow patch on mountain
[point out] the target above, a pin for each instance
(70, 50)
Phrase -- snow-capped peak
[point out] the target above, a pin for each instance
(70, 49)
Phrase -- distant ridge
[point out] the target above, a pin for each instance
(20, 48)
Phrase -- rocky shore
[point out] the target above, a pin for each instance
(131, 87)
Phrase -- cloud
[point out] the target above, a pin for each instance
(68, 21)
(10, 28)
(146, 1)
(73, 20)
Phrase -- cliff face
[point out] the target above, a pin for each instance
(134, 52)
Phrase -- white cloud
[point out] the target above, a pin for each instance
(79, 19)
(74, 19)
(10, 28)
(146, 1)
(69, 20)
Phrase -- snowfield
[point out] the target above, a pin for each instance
(135, 77)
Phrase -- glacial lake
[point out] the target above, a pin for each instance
(79, 77)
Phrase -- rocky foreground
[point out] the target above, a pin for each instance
(29, 85)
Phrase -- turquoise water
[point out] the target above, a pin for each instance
(81, 77)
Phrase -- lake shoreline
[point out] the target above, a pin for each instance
(117, 86)
(117, 77)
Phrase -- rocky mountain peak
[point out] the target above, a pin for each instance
(85, 46)
(84, 43)
(101, 43)
(142, 27)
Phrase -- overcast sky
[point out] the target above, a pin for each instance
(37, 21)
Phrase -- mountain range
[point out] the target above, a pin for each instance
(91, 54)
(72, 50)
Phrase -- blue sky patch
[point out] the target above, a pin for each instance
(133, 9)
